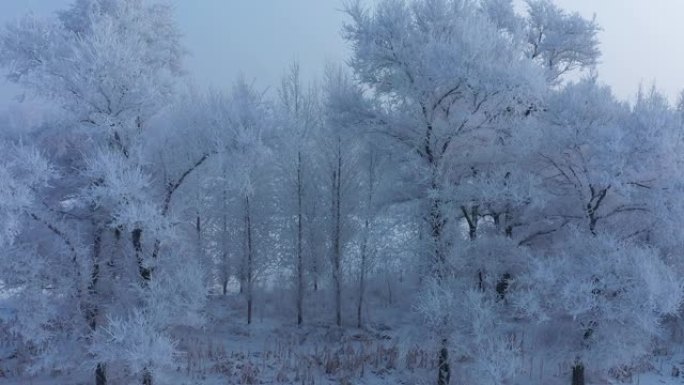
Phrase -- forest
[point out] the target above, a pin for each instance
(462, 201)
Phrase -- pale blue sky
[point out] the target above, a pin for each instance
(261, 37)
(640, 43)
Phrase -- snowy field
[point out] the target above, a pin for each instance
(271, 351)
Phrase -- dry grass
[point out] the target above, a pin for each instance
(286, 361)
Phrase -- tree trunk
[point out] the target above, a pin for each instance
(509, 226)
(249, 308)
(224, 256)
(249, 254)
(147, 377)
(472, 218)
(502, 286)
(101, 374)
(225, 276)
(314, 242)
(111, 265)
(480, 280)
(362, 289)
(366, 237)
(437, 222)
(337, 234)
(444, 371)
(92, 313)
(136, 238)
(300, 263)
(198, 230)
(315, 277)
(578, 374)
(101, 369)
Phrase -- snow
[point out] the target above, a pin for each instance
(274, 351)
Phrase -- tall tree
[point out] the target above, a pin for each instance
(111, 67)
(341, 159)
(445, 70)
(301, 116)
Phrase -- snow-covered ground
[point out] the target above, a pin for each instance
(275, 351)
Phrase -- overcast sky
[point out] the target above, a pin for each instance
(261, 37)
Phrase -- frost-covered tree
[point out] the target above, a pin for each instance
(248, 119)
(110, 67)
(301, 118)
(652, 135)
(445, 70)
(560, 41)
(600, 163)
(609, 314)
(340, 160)
(476, 309)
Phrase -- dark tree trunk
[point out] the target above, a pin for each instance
(509, 226)
(480, 281)
(444, 371)
(578, 374)
(136, 238)
(100, 370)
(597, 197)
(362, 286)
(224, 238)
(100, 375)
(362, 282)
(316, 252)
(198, 231)
(472, 218)
(147, 377)
(300, 235)
(111, 265)
(314, 241)
(337, 246)
(437, 223)
(502, 286)
(250, 259)
(249, 310)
